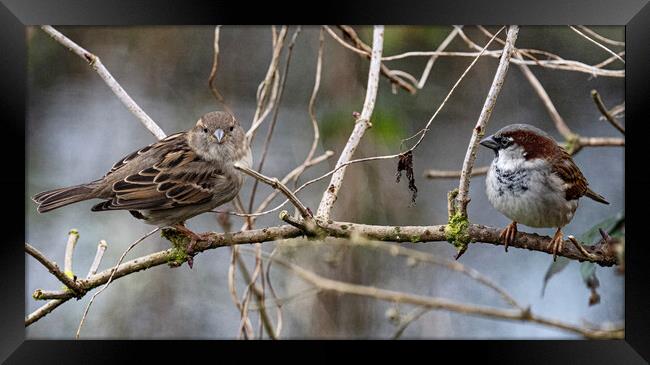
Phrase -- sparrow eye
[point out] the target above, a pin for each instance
(231, 128)
(205, 130)
(505, 142)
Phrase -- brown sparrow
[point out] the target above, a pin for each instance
(174, 179)
(533, 181)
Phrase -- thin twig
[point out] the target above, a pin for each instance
(600, 37)
(560, 124)
(213, 72)
(479, 129)
(270, 81)
(96, 64)
(525, 315)
(312, 98)
(366, 51)
(73, 237)
(580, 247)
(110, 278)
(450, 174)
(422, 133)
(274, 119)
(410, 318)
(558, 63)
(598, 44)
(427, 69)
(603, 110)
(361, 124)
(276, 184)
(101, 248)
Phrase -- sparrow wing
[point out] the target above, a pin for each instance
(576, 183)
(179, 177)
(163, 143)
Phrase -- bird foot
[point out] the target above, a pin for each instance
(557, 243)
(194, 238)
(507, 235)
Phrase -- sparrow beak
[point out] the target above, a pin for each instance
(490, 143)
(219, 134)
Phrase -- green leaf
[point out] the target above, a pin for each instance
(613, 226)
(556, 267)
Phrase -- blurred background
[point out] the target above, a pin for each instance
(77, 128)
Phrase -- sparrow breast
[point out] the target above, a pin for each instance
(528, 192)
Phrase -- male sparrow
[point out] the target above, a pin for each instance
(533, 181)
(174, 179)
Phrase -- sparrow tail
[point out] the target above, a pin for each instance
(52, 199)
(595, 196)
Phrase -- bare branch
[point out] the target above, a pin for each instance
(276, 184)
(560, 124)
(270, 81)
(600, 37)
(351, 34)
(213, 71)
(450, 174)
(46, 309)
(40, 294)
(603, 110)
(598, 44)
(361, 124)
(525, 315)
(73, 237)
(52, 268)
(422, 133)
(479, 129)
(557, 63)
(101, 248)
(477, 233)
(96, 64)
(110, 278)
(427, 69)
(274, 119)
(601, 142)
(312, 98)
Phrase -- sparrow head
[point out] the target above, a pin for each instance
(218, 136)
(521, 141)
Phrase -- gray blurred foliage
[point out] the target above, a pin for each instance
(76, 129)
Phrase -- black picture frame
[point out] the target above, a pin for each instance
(15, 15)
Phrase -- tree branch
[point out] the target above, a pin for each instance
(603, 110)
(463, 187)
(53, 268)
(523, 315)
(600, 253)
(361, 124)
(276, 184)
(365, 51)
(96, 64)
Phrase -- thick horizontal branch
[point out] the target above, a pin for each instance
(600, 253)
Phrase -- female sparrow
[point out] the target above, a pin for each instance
(174, 179)
(534, 181)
